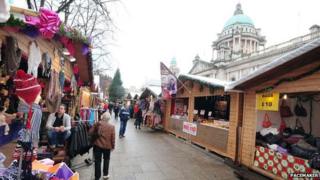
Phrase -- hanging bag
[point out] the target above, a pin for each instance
(285, 110)
(298, 128)
(95, 135)
(299, 110)
(266, 121)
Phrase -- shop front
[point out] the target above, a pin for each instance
(204, 114)
(280, 132)
(38, 71)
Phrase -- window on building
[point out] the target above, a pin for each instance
(233, 79)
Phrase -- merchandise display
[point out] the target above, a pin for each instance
(283, 150)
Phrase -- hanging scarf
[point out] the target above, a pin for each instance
(12, 56)
(34, 119)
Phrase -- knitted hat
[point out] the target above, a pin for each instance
(27, 87)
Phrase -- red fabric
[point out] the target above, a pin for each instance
(266, 122)
(28, 124)
(76, 69)
(136, 108)
(281, 164)
(282, 126)
(27, 86)
(106, 106)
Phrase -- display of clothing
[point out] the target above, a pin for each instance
(53, 98)
(46, 65)
(4, 123)
(35, 119)
(12, 56)
(61, 79)
(34, 59)
(79, 143)
(4, 11)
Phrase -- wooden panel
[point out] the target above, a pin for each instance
(215, 137)
(175, 125)
(248, 129)
(233, 123)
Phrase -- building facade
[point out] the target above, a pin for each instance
(240, 49)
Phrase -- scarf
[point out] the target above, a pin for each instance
(34, 119)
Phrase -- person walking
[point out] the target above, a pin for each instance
(139, 119)
(124, 117)
(103, 145)
(116, 111)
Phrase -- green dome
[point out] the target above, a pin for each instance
(239, 19)
(173, 61)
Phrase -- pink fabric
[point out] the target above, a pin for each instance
(48, 22)
(68, 44)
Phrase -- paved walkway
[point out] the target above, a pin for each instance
(149, 155)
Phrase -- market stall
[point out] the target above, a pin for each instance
(204, 114)
(39, 70)
(152, 107)
(280, 130)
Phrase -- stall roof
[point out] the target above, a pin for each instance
(204, 80)
(153, 90)
(302, 56)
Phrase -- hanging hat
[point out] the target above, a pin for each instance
(27, 86)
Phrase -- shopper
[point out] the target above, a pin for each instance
(103, 145)
(116, 111)
(59, 125)
(124, 117)
(139, 119)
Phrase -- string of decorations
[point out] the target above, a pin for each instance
(289, 79)
(17, 24)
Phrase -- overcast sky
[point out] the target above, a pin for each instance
(150, 31)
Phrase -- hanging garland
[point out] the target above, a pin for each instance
(13, 22)
(31, 29)
(290, 79)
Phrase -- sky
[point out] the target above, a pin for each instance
(150, 31)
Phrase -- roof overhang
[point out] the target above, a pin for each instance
(288, 62)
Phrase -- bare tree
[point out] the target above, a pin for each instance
(92, 18)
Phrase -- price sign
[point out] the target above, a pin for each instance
(202, 112)
(268, 101)
(209, 113)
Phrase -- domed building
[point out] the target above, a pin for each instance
(240, 49)
(238, 38)
(173, 67)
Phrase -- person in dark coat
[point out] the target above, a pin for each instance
(139, 119)
(116, 111)
(124, 117)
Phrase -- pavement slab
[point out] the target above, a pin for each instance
(153, 155)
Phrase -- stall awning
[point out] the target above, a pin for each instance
(151, 90)
(290, 61)
(211, 82)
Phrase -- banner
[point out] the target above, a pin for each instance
(190, 128)
(268, 102)
(168, 82)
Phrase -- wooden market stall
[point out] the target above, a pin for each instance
(63, 64)
(152, 107)
(204, 114)
(280, 130)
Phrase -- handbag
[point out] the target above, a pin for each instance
(266, 121)
(315, 161)
(299, 110)
(298, 128)
(95, 135)
(300, 152)
(285, 110)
